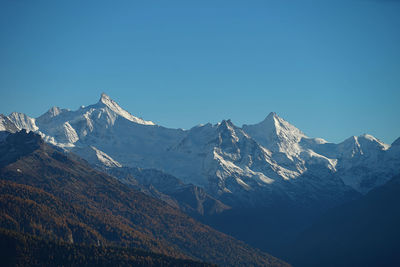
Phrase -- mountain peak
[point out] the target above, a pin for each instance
(113, 106)
(225, 123)
(361, 145)
(7, 125)
(104, 98)
(271, 115)
(278, 125)
(275, 133)
(53, 112)
(226, 126)
(23, 121)
(373, 140)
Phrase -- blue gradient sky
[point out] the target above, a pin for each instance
(332, 68)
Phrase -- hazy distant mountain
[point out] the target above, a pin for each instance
(364, 232)
(57, 196)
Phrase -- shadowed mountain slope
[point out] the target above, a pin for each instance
(50, 194)
(189, 198)
(364, 232)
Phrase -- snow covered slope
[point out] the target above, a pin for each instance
(358, 161)
(271, 158)
(277, 135)
(22, 121)
(7, 125)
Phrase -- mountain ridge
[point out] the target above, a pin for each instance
(118, 138)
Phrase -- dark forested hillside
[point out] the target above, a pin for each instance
(364, 232)
(18, 249)
(52, 195)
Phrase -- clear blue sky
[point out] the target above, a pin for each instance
(332, 68)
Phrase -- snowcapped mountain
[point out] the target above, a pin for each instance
(226, 156)
(22, 121)
(276, 134)
(272, 157)
(64, 127)
(7, 125)
(289, 146)
(358, 161)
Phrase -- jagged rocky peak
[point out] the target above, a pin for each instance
(105, 100)
(276, 134)
(226, 125)
(272, 117)
(361, 144)
(282, 127)
(7, 125)
(227, 133)
(54, 111)
(22, 121)
(50, 114)
(275, 125)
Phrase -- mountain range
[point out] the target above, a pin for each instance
(264, 183)
(224, 159)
